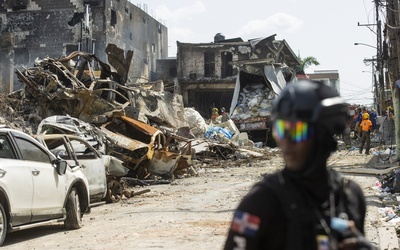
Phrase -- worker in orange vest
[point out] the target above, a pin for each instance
(366, 127)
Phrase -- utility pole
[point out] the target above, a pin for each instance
(392, 15)
(379, 58)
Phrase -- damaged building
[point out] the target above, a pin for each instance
(229, 72)
(31, 29)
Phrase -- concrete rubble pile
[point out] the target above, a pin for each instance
(254, 101)
(80, 94)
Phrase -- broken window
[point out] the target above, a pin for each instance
(82, 151)
(76, 18)
(113, 18)
(92, 2)
(209, 64)
(16, 5)
(226, 68)
(159, 28)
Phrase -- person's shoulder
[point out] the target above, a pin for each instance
(269, 184)
(344, 182)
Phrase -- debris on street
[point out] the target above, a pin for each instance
(143, 126)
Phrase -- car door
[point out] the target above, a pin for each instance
(49, 188)
(17, 181)
(92, 165)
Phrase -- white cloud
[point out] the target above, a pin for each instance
(184, 13)
(279, 22)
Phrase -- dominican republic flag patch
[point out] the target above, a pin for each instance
(245, 223)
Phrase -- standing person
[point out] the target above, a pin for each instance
(300, 206)
(214, 114)
(373, 118)
(366, 126)
(358, 121)
(224, 115)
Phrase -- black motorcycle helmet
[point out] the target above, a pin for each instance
(313, 102)
(319, 105)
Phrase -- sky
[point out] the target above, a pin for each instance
(324, 29)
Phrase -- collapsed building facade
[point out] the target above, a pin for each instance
(31, 29)
(230, 73)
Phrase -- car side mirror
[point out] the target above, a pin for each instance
(61, 166)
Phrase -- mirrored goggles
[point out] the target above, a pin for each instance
(296, 131)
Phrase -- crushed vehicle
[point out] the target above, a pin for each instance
(144, 149)
(65, 124)
(36, 187)
(60, 124)
(98, 168)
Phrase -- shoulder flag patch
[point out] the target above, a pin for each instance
(245, 223)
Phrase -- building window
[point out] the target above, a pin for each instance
(113, 18)
(226, 68)
(209, 64)
(153, 48)
(130, 36)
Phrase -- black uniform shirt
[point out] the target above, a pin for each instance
(260, 221)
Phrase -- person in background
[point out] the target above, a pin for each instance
(390, 112)
(214, 114)
(224, 115)
(373, 118)
(358, 121)
(305, 205)
(366, 127)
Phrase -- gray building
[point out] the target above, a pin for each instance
(38, 28)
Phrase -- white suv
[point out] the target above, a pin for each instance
(36, 188)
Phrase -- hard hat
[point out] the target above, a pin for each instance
(313, 102)
(365, 116)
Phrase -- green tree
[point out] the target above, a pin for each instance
(306, 62)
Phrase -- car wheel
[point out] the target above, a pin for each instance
(3, 224)
(74, 215)
(114, 191)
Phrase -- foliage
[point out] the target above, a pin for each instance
(306, 62)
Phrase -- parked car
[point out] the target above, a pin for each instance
(36, 187)
(79, 153)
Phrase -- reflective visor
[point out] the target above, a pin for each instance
(296, 131)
